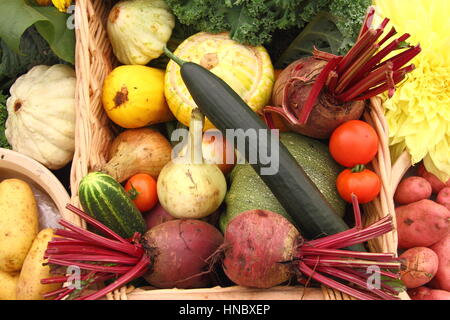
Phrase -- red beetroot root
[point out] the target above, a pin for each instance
(262, 249)
(173, 254)
(181, 250)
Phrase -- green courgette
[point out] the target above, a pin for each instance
(292, 187)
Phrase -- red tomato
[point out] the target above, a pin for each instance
(366, 185)
(142, 189)
(354, 142)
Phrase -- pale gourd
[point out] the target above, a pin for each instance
(139, 30)
(41, 115)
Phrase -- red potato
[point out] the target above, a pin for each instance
(443, 197)
(436, 184)
(442, 277)
(412, 189)
(421, 224)
(421, 266)
(424, 293)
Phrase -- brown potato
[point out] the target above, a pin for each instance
(18, 223)
(8, 285)
(29, 286)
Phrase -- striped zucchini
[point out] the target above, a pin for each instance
(105, 199)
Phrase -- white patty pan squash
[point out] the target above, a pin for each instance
(41, 115)
(139, 29)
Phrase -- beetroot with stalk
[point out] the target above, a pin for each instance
(180, 249)
(172, 254)
(314, 95)
(263, 249)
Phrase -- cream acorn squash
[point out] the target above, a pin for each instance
(41, 115)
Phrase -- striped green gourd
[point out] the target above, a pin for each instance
(102, 197)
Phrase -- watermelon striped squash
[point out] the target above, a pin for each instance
(102, 197)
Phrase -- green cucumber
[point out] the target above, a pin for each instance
(103, 198)
(295, 191)
(248, 191)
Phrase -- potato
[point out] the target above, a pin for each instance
(443, 197)
(421, 266)
(18, 223)
(442, 250)
(412, 189)
(421, 224)
(8, 285)
(29, 286)
(424, 293)
(436, 184)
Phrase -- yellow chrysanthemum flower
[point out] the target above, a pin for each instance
(419, 113)
(62, 5)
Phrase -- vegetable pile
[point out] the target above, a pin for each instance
(196, 187)
(423, 224)
(316, 94)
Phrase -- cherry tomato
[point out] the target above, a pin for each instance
(366, 185)
(142, 190)
(354, 142)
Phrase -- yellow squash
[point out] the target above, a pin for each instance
(248, 70)
(133, 96)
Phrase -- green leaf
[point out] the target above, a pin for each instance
(321, 33)
(34, 51)
(18, 15)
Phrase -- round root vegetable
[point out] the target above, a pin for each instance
(316, 94)
(173, 254)
(157, 216)
(175, 242)
(138, 151)
(421, 265)
(443, 197)
(421, 224)
(436, 184)
(424, 293)
(291, 91)
(189, 188)
(262, 250)
(412, 189)
(442, 277)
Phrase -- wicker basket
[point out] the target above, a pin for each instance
(94, 60)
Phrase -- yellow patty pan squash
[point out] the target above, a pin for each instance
(133, 96)
(248, 70)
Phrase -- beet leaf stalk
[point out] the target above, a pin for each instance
(172, 254)
(100, 258)
(263, 249)
(324, 89)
